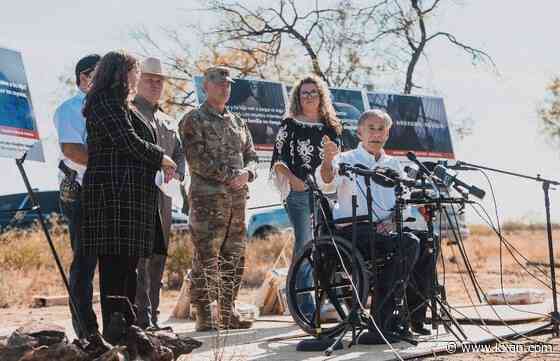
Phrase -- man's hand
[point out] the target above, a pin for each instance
(168, 173)
(330, 149)
(239, 181)
(385, 228)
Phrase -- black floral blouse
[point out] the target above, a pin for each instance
(299, 145)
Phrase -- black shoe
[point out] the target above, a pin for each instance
(370, 338)
(420, 329)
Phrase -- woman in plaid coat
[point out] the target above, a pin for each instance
(119, 196)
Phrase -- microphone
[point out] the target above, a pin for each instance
(411, 172)
(412, 157)
(375, 175)
(343, 169)
(450, 179)
(359, 169)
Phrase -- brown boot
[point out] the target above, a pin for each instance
(231, 320)
(204, 320)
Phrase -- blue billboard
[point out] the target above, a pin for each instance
(18, 125)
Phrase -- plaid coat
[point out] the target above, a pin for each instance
(119, 195)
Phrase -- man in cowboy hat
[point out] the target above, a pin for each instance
(150, 270)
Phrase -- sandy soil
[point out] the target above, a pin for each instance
(484, 254)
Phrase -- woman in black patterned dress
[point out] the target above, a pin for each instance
(298, 151)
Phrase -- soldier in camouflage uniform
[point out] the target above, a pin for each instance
(222, 160)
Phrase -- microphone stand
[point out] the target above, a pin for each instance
(546, 183)
(321, 341)
(355, 320)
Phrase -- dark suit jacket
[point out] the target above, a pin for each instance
(119, 195)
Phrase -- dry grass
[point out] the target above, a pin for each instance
(261, 255)
(27, 267)
(483, 252)
(510, 227)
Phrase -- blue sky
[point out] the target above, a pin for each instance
(519, 35)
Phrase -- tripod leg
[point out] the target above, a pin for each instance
(37, 208)
(452, 319)
(337, 344)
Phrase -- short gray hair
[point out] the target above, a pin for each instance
(376, 113)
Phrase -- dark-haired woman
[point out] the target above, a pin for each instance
(298, 151)
(119, 196)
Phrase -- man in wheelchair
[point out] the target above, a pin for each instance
(398, 252)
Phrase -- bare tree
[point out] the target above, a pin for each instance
(348, 43)
(265, 30)
(404, 24)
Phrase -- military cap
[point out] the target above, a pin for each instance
(218, 74)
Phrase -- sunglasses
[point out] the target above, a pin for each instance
(310, 94)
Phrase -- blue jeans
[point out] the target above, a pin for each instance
(298, 206)
(82, 271)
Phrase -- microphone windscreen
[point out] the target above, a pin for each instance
(411, 156)
(411, 172)
(441, 172)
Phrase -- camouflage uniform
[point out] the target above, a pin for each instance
(217, 148)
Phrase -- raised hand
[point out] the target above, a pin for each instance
(330, 149)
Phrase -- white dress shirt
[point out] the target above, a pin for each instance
(384, 199)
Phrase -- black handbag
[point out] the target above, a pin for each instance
(69, 188)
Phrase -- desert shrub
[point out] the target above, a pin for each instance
(179, 259)
(261, 254)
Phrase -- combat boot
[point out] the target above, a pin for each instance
(204, 321)
(230, 319)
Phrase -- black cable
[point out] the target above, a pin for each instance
(508, 245)
(502, 240)
(468, 266)
(524, 311)
(492, 307)
(499, 226)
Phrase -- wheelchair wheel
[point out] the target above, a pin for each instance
(334, 286)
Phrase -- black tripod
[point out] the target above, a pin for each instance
(36, 207)
(546, 183)
(436, 298)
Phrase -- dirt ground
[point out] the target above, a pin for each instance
(483, 251)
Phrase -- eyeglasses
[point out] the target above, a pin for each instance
(310, 94)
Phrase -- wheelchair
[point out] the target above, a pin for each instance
(333, 268)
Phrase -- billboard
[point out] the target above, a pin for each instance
(419, 122)
(419, 125)
(349, 104)
(261, 103)
(18, 125)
